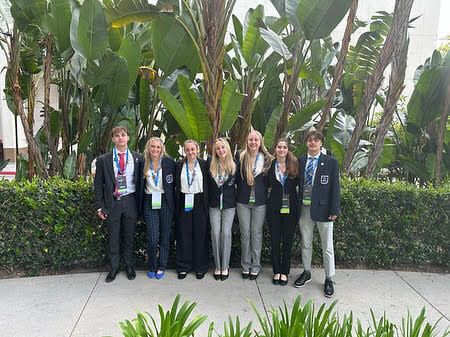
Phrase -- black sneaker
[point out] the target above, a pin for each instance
(304, 278)
(328, 289)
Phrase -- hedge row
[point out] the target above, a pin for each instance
(52, 225)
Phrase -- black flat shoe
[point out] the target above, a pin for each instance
(182, 276)
(245, 275)
(217, 277)
(200, 276)
(275, 281)
(253, 277)
(283, 282)
(131, 273)
(224, 277)
(111, 275)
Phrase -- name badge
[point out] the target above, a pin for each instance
(121, 182)
(156, 200)
(324, 180)
(285, 204)
(307, 196)
(188, 202)
(252, 198)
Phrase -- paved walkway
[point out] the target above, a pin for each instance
(78, 305)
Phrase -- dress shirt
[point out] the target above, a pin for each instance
(197, 184)
(129, 170)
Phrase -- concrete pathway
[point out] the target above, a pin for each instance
(79, 305)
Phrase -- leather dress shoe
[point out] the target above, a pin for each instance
(200, 276)
(131, 273)
(111, 275)
(253, 277)
(182, 275)
(328, 289)
(245, 275)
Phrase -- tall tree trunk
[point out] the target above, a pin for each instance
(30, 118)
(391, 45)
(52, 142)
(396, 86)
(340, 64)
(441, 135)
(82, 122)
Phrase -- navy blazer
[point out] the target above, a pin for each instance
(168, 179)
(325, 198)
(276, 194)
(179, 194)
(105, 180)
(229, 189)
(244, 189)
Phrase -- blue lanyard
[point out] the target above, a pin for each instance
(187, 173)
(254, 164)
(116, 159)
(155, 180)
(282, 176)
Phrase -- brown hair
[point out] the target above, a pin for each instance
(291, 161)
(314, 134)
(119, 129)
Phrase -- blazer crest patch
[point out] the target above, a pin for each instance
(231, 182)
(169, 178)
(324, 179)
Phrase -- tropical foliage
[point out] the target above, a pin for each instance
(191, 69)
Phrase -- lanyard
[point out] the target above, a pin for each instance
(155, 177)
(193, 174)
(254, 164)
(116, 159)
(282, 176)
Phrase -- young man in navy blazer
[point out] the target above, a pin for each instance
(116, 186)
(319, 195)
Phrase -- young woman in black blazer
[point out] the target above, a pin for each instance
(158, 191)
(254, 162)
(282, 209)
(192, 213)
(222, 204)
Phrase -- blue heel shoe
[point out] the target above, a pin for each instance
(151, 274)
(159, 274)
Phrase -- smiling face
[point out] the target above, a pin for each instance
(221, 149)
(253, 142)
(281, 149)
(120, 140)
(314, 145)
(191, 151)
(155, 149)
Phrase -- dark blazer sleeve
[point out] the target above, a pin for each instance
(335, 197)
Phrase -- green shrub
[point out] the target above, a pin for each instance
(52, 224)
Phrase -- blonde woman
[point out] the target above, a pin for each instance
(254, 163)
(192, 213)
(159, 204)
(222, 205)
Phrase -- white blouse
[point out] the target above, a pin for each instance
(150, 186)
(195, 176)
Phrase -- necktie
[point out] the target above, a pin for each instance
(309, 171)
(122, 162)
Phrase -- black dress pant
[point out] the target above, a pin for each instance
(121, 224)
(282, 229)
(192, 237)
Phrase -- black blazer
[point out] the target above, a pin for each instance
(105, 181)
(168, 179)
(179, 194)
(325, 198)
(243, 189)
(229, 189)
(276, 194)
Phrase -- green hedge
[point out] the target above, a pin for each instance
(52, 225)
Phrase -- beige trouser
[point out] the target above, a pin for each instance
(326, 238)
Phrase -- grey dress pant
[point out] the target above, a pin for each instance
(326, 239)
(251, 221)
(221, 223)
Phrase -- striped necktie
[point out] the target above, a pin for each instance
(310, 171)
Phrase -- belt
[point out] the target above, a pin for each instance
(122, 197)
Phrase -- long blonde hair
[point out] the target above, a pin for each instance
(230, 165)
(244, 159)
(147, 155)
(187, 142)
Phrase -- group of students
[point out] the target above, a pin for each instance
(203, 196)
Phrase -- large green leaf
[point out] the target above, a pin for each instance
(343, 128)
(271, 126)
(130, 50)
(58, 23)
(88, 33)
(124, 12)
(230, 104)
(304, 115)
(70, 166)
(275, 41)
(172, 46)
(253, 44)
(26, 13)
(359, 161)
(318, 18)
